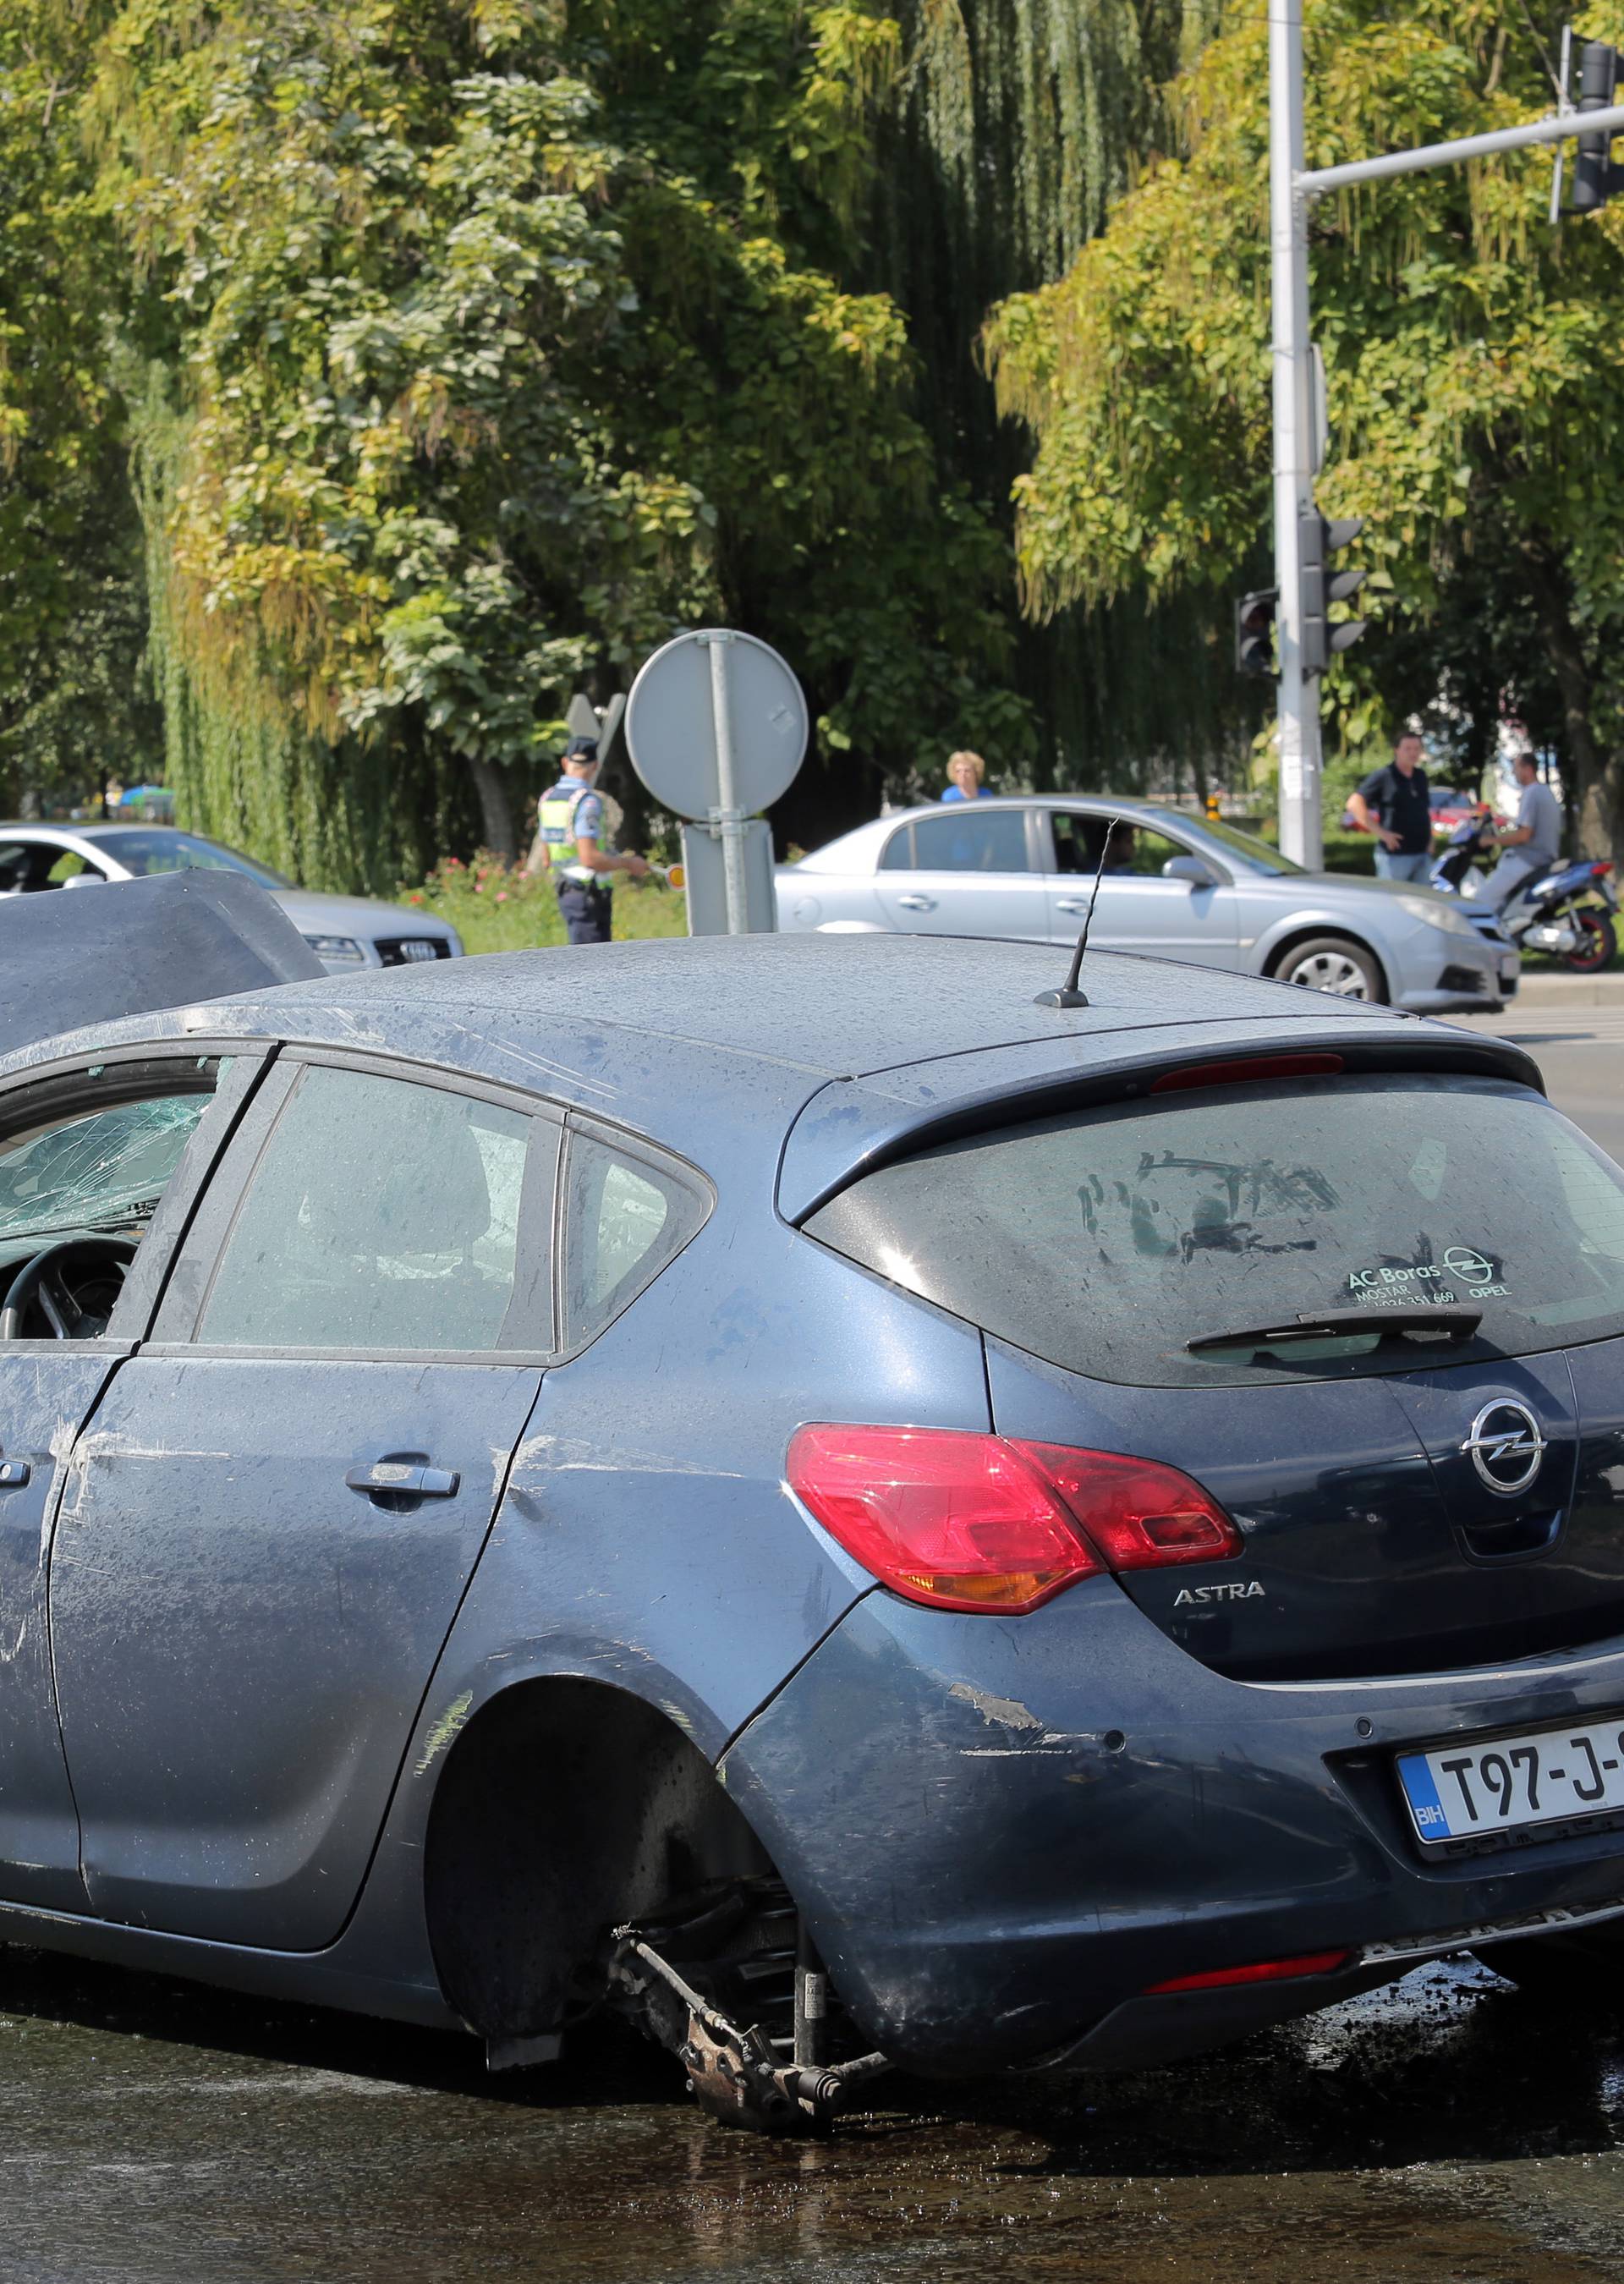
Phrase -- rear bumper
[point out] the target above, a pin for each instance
(1002, 1833)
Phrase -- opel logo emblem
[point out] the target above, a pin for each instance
(1464, 1261)
(1505, 1445)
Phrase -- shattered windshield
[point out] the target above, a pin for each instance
(107, 1167)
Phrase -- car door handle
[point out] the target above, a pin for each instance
(13, 1475)
(404, 1479)
(917, 903)
(1078, 905)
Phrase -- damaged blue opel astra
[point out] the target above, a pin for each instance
(798, 1492)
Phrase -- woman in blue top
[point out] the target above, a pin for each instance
(966, 771)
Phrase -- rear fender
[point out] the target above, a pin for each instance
(647, 1545)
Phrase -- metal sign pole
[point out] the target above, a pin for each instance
(1293, 410)
(716, 727)
(727, 816)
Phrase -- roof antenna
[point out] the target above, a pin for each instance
(1070, 995)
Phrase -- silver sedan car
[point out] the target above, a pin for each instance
(1178, 886)
(344, 932)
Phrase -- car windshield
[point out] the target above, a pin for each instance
(157, 849)
(1246, 846)
(1108, 1240)
(105, 1169)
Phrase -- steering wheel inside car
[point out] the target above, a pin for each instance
(40, 1279)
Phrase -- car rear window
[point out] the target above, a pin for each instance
(1107, 1240)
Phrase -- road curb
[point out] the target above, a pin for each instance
(1544, 988)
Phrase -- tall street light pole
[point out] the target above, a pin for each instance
(1292, 191)
(1295, 432)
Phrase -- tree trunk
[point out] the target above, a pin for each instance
(496, 810)
(1596, 792)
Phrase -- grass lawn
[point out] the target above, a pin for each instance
(493, 910)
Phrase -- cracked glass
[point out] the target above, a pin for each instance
(103, 1169)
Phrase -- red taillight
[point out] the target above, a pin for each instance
(1267, 1970)
(1140, 1516)
(1606, 866)
(967, 1522)
(1243, 1073)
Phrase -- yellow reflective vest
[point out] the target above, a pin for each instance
(559, 830)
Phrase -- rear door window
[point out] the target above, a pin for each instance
(966, 839)
(1106, 1240)
(626, 1216)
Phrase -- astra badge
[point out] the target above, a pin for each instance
(1192, 1596)
(1506, 1446)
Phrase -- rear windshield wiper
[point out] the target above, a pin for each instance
(1443, 1322)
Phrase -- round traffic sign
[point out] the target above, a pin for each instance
(671, 722)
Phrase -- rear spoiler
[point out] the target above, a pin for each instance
(851, 1126)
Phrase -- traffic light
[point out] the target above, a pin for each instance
(1255, 632)
(1318, 539)
(1596, 175)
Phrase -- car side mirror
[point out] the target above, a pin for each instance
(85, 881)
(1190, 869)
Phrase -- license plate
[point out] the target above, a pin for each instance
(420, 947)
(1549, 1776)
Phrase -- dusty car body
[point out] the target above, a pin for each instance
(407, 1606)
(1183, 888)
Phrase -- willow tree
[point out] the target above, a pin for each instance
(1016, 123)
(73, 704)
(493, 341)
(1469, 354)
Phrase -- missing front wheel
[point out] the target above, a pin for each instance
(728, 1982)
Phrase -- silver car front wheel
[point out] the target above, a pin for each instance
(1331, 963)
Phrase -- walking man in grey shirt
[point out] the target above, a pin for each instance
(1532, 845)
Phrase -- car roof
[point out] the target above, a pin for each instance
(1107, 804)
(69, 829)
(693, 1041)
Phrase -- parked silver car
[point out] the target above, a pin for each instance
(344, 932)
(1183, 887)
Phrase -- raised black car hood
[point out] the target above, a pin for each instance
(76, 957)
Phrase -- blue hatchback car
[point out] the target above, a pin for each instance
(786, 1489)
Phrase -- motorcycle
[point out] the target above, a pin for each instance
(1556, 910)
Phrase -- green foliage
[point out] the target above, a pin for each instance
(1020, 121)
(1066, 96)
(1474, 410)
(73, 705)
(499, 343)
(496, 908)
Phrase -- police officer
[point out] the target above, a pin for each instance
(569, 834)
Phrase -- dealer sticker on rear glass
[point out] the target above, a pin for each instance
(1463, 1274)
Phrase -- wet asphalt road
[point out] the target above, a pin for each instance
(1581, 1049)
(1449, 2131)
